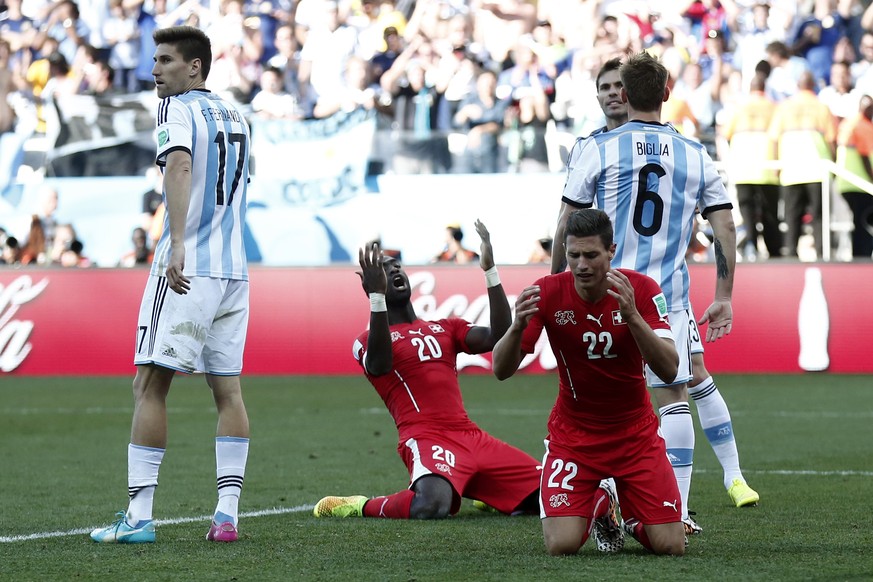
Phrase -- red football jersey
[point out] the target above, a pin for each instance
(599, 363)
(422, 387)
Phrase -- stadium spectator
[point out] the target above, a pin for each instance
(324, 54)
(531, 90)
(146, 23)
(287, 60)
(383, 59)
(454, 251)
(48, 199)
(364, 18)
(272, 101)
(456, 68)
(542, 252)
(141, 254)
(122, 34)
(482, 116)
(65, 234)
(7, 87)
(703, 97)
(583, 445)
(11, 251)
(19, 31)
(74, 256)
(752, 31)
(786, 70)
(34, 250)
(267, 16)
(840, 95)
(705, 17)
(209, 291)
(447, 455)
(99, 80)
(64, 24)
(677, 112)
(587, 186)
(236, 68)
(854, 148)
(357, 91)
(805, 132)
(757, 188)
(862, 69)
(817, 34)
(413, 106)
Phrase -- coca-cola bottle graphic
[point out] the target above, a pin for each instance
(813, 323)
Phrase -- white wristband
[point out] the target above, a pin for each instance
(492, 278)
(377, 302)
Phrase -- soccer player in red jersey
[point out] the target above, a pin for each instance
(411, 363)
(602, 324)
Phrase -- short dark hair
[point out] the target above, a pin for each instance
(777, 48)
(610, 65)
(590, 222)
(644, 79)
(192, 43)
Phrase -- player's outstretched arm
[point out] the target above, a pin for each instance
(559, 245)
(507, 354)
(482, 339)
(719, 315)
(379, 357)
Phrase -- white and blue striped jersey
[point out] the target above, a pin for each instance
(217, 136)
(650, 180)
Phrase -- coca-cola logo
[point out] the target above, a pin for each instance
(475, 310)
(14, 333)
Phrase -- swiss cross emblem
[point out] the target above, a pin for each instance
(617, 319)
(436, 328)
(565, 317)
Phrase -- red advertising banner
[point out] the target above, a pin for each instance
(304, 320)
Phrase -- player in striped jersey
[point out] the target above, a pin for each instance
(713, 413)
(653, 227)
(203, 149)
(608, 83)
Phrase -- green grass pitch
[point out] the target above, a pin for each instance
(805, 444)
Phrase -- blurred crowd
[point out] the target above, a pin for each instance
(470, 86)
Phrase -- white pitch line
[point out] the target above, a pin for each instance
(172, 521)
(798, 472)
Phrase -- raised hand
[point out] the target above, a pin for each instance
(372, 273)
(486, 252)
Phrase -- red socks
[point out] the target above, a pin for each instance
(394, 506)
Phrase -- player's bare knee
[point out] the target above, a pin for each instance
(670, 542)
(429, 507)
(557, 546)
(670, 548)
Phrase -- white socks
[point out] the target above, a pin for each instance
(715, 419)
(231, 454)
(143, 464)
(678, 430)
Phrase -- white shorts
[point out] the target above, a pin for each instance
(684, 330)
(202, 331)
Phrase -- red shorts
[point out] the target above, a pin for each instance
(477, 465)
(635, 456)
